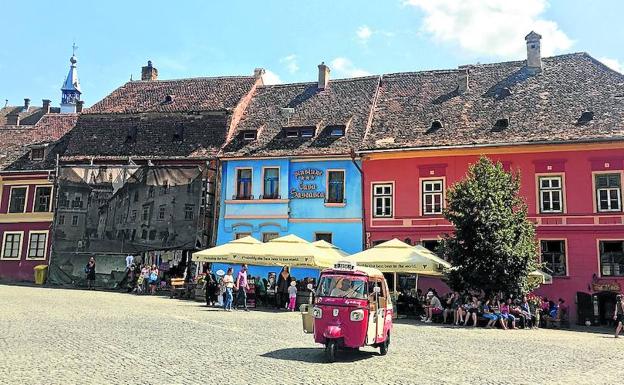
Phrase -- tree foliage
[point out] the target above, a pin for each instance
(493, 247)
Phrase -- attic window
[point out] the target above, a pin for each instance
(337, 131)
(292, 133)
(586, 117)
(168, 99)
(435, 126)
(501, 124)
(131, 135)
(503, 93)
(178, 135)
(307, 132)
(37, 153)
(249, 135)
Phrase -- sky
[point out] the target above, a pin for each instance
(188, 38)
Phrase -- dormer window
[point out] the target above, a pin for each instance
(307, 132)
(178, 135)
(37, 153)
(249, 135)
(131, 134)
(337, 131)
(435, 126)
(501, 124)
(168, 99)
(292, 133)
(586, 117)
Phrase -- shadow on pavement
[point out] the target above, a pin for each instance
(317, 355)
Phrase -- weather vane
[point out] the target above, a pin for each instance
(74, 48)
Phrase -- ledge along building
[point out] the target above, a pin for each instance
(289, 167)
(31, 137)
(138, 174)
(559, 121)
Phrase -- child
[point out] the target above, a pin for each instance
(139, 287)
(292, 295)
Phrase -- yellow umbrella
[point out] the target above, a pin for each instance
(395, 256)
(540, 277)
(231, 252)
(331, 252)
(292, 250)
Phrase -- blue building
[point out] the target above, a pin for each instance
(288, 166)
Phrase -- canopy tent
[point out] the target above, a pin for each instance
(540, 277)
(395, 256)
(289, 250)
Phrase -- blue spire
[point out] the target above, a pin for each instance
(70, 92)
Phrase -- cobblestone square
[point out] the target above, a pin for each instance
(57, 336)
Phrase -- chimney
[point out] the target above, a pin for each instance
(323, 76)
(46, 106)
(79, 105)
(13, 118)
(26, 104)
(258, 72)
(148, 72)
(534, 57)
(462, 81)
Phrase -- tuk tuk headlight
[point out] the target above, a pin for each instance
(317, 312)
(357, 315)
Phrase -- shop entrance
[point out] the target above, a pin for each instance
(606, 305)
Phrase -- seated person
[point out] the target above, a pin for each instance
(488, 314)
(342, 288)
(508, 319)
(434, 307)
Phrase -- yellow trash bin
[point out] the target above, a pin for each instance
(41, 272)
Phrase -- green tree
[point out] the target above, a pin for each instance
(493, 247)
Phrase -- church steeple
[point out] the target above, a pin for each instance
(70, 92)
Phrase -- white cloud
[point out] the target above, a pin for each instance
(290, 62)
(364, 33)
(614, 64)
(344, 68)
(271, 77)
(491, 27)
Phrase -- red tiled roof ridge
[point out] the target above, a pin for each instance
(192, 79)
(340, 80)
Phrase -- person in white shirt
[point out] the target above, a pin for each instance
(129, 260)
(435, 306)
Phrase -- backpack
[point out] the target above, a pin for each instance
(153, 277)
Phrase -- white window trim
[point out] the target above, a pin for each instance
(392, 200)
(598, 259)
(21, 244)
(49, 203)
(344, 187)
(279, 180)
(45, 247)
(562, 190)
(25, 198)
(595, 191)
(236, 181)
(324, 233)
(565, 252)
(421, 197)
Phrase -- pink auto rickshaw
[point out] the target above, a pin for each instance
(352, 309)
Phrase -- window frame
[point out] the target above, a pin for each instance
(11, 188)
(422, 182)
(77, 221)
(264, 235)
(32, 154)
(344, 187)
(565, 254)
(561, 189)
(189, 208)
(331, 236)
(20, 246)
(236, 183)
(374, 200)
(241, 234)
(45, 245)
(600, 271)
(35, 203)
(596, 196)
(277, 195)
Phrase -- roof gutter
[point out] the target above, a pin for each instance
(490, 145)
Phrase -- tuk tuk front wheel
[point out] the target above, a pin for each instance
(383, 348)
(330, 351)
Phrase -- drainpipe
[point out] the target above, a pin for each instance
(216, 206)
(361, 189)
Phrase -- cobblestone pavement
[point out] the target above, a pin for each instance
(55, 336)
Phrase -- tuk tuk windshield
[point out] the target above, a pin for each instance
(342, 287)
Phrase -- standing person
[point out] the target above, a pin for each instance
(211, 289)
(145, 273)
(281, 290)
(292, 295)
(618, 314)
(129, 260)
(90, 271)
(228, 283)
(242, 284)
(153, 279)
